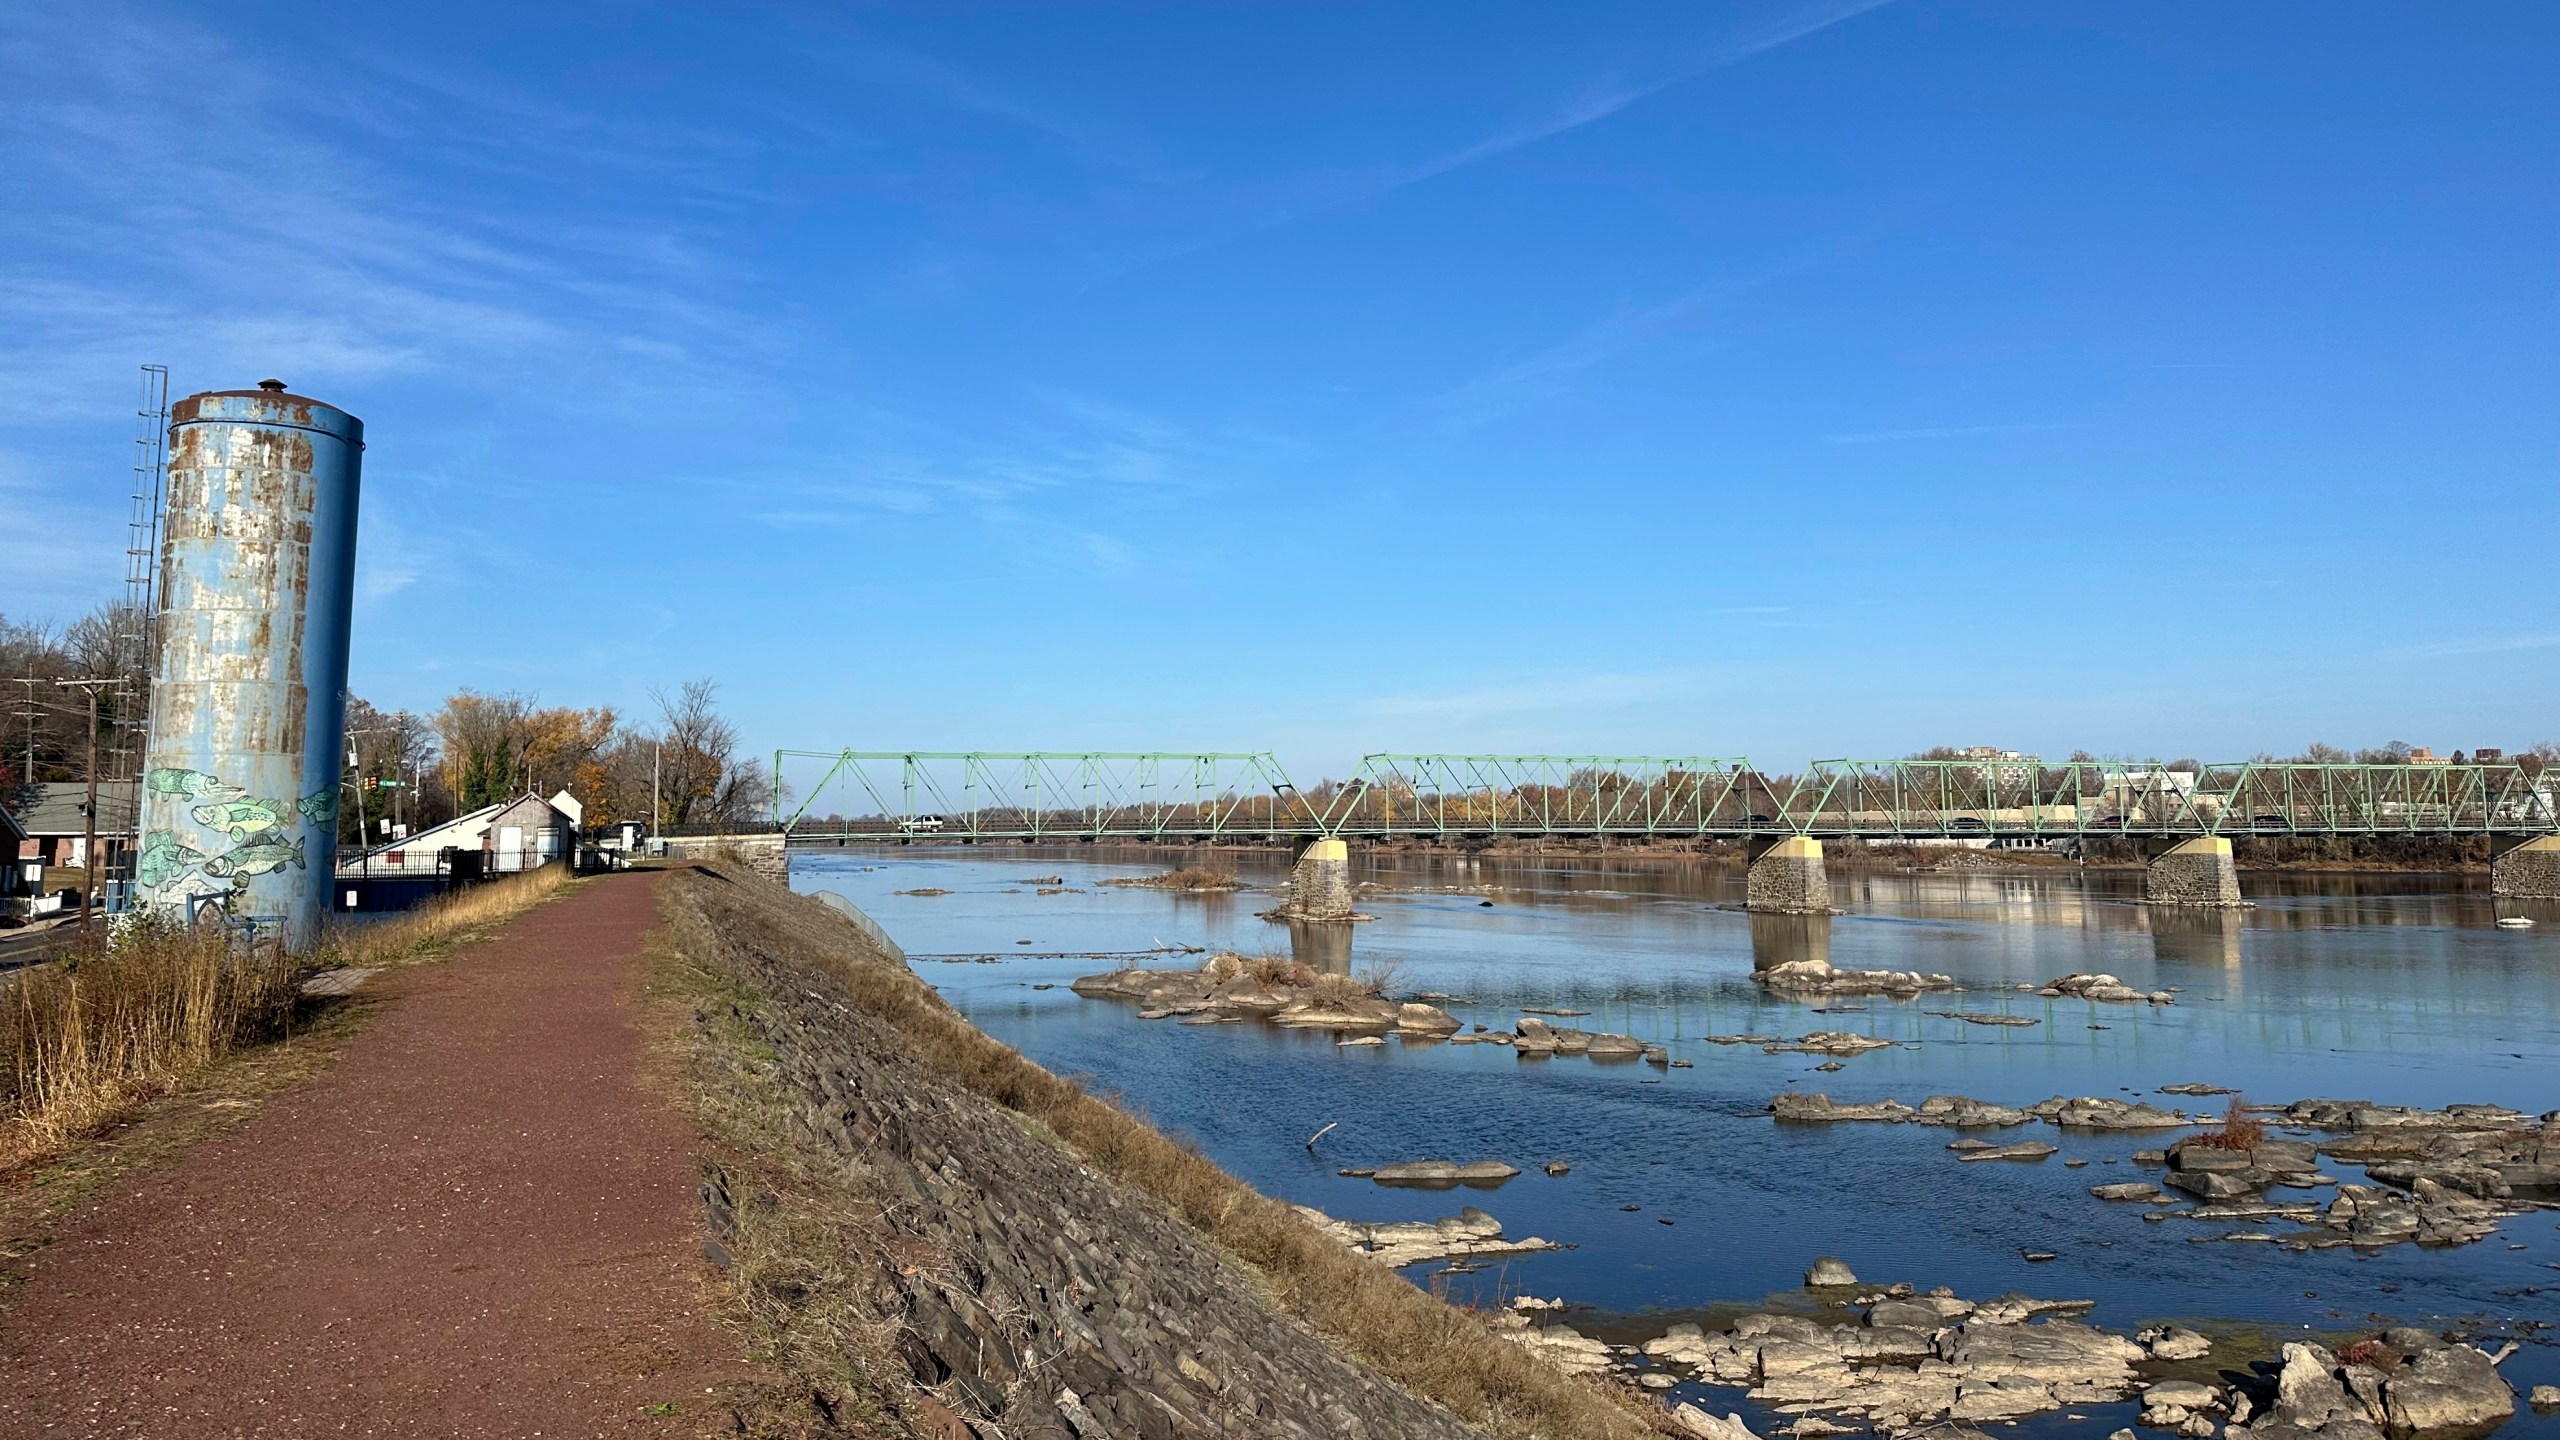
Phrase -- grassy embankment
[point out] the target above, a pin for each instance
(801, 1255)
(89, 1038)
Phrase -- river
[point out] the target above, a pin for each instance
(1683, 1193)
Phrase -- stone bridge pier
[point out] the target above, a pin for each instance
(2523, 868)
(1320, 882)
(1786, 877)
(2193, 872)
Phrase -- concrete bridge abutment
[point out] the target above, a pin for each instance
(1786, 876)
(2523, 868)
(1320, 883)
(2194, 872)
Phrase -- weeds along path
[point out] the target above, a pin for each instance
(479, 1222)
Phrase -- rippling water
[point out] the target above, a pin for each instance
(2397, 989)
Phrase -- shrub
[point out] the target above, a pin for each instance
(2240, 1129)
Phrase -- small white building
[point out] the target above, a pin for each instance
(525, 833)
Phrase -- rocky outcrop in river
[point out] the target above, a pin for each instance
(1281, 991)
(1899, 1360)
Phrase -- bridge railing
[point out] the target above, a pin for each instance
(1043, 794)
(1031, 795)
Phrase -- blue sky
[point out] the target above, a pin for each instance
(1788, 379)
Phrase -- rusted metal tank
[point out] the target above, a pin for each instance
(248, 703)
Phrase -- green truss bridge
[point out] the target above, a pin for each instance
(2188, 813)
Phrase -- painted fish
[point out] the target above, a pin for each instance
(320, 807)
(164, 858)
(241, 818)
(260, 855)
(194, 784)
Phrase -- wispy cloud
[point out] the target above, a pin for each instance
(1605, 98)
(1946, 432)
(1551, 371)
(883, 62)
(1334, 188)
(2478, 645)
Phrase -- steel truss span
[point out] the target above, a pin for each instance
(1160, 795)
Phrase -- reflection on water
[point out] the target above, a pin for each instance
(2394, 988)
(2196, 937)
(1785, 939)
(1321, 946)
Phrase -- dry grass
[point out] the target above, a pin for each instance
(101, 1030)
(810, 1240)
(1337, 990)
(443, 921)
(1273, 972)
(2240, 1129)
(89, 1037)
(1417, 1341)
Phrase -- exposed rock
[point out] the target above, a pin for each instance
(2022, 1150)
(2407, 1383)
(1907, 1366)
(1707, 1427)
(1441, 1174)
(1986, 1017)
(1829, 1271)
(1967, 1113)
(1797, 978)
(1829, 1042)
(2174, 1342)
(2141, 1190)
(2096, 987)
(2218, 1184)
(1565, 1347)
(1819, 1107)
(1470, 1232)
(2105, 1113)
(2180, 1404)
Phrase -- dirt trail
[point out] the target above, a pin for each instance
(479, 1222)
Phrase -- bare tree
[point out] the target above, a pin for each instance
(700, 776)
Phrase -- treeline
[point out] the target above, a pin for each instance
(477, 748)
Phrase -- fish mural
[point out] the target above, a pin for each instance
(193, 784)
(241, 819)
(260, 855)
(164, 858)
(320, 807)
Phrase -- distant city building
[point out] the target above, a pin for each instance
(2424, 756)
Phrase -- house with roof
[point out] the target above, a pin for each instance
(507, 838)
(53, 823)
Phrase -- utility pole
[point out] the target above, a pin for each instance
(29, 715)
(89, 842)
(657, 807)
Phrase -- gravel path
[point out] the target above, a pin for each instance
(478, 1222)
